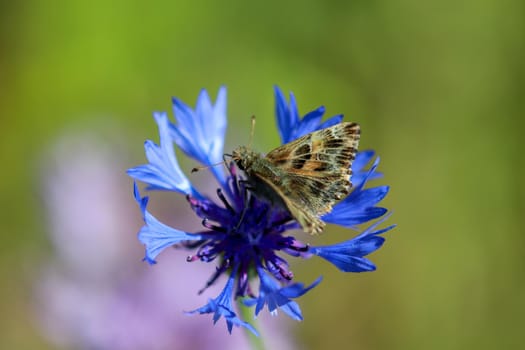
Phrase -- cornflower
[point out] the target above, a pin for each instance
(242, 233)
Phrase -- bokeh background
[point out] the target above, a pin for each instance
(438, 87)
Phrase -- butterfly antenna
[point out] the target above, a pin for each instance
(194, 170)
(252, 132)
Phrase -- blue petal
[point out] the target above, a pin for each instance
(272, 295)
(222, 306)
(359, 207)
(309, 123)
(362, 159)
(348, 256)
(297, 289)
(287, 117)
(359, 173)
(163, 171)
(155, 235)
(200, 132)
(291, 126)
(336, 119)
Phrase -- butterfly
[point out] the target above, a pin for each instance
(305, 176)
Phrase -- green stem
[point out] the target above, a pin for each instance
(255, 341)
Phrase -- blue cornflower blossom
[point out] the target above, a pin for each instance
(246, 250)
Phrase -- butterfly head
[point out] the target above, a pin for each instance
(244, 157)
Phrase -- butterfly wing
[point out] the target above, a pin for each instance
(316, 172)
(307, 218)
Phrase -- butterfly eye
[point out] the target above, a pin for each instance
(240, 164)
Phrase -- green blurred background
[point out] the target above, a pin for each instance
(438, 87)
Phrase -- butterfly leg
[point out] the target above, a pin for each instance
(228, 163)
(245, 187)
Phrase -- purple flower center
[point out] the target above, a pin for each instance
(245, 232)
